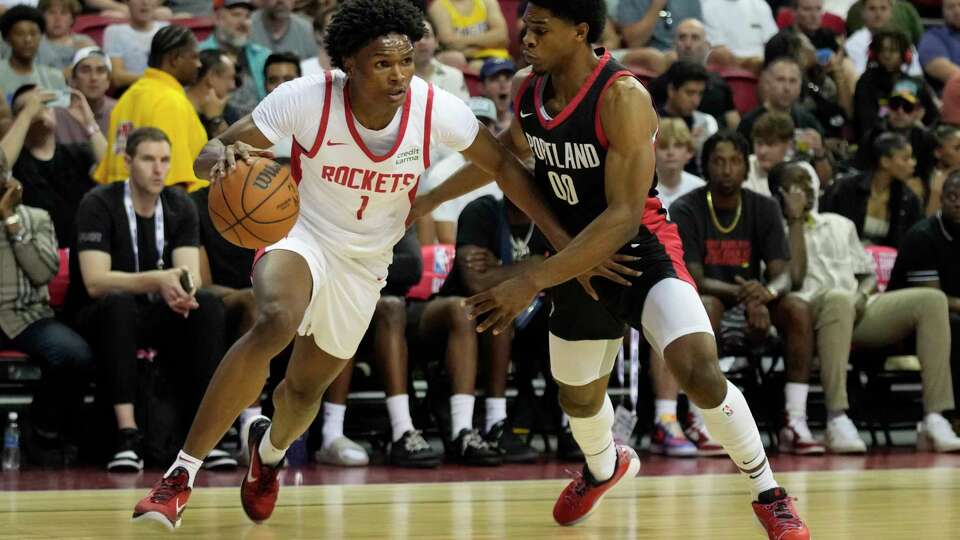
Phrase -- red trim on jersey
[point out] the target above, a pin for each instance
(572, 106)
(296, 150)
(667, 233)
(356, 136)
(428, 116)
(524, 84)
(597, 125)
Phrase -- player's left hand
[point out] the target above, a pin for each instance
(422, 206)
(610, 269)
(503, 303)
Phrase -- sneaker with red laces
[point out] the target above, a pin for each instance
(166, 501)
(583, 494)
(700, 437)
(776, 513)
(260, 487)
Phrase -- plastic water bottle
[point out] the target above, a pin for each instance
(11, 444)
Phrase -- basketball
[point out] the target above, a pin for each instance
(255, 205)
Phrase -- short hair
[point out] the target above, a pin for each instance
(783, 60)
(168, 40)
(592, 12)
(952, 182)
(773, 126)
(778, 175)
(142, 135)
(23, 89)
(738, 141)
(786, 42)
(684, 71)
(886, 144)
(21, 12)
(900, 39)
(73, 6)
(942, 133)
(210, 59)
(283, 58)
(675, 130)
(358, 22)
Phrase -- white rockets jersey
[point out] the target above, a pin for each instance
(354, 199)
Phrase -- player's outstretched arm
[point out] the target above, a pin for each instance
(243, 139)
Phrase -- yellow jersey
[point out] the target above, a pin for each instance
(473, 23)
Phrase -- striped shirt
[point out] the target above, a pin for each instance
(25, 269)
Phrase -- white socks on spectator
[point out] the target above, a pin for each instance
(732, 425)
(270, 454)
(247, 415)
(665, 409)
(333, 414)
(461, 413)
(496, 410)
(188, 462)
(398, 407)
(595, 438)
(796, 397)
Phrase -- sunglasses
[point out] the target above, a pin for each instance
(901, 104)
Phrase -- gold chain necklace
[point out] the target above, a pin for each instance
(716, 222)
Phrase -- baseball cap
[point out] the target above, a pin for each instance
(906, 90)
(217, 4)
(483, 108)
(87, 52)
(492, 66)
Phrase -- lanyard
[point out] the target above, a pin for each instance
(634, 355)
(132, 222)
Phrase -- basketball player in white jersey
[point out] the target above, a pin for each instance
(362, 136)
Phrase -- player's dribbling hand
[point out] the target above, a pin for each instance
(502, 303)
(612, 270)
(227, 160)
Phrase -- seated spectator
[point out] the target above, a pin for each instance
(904, 17)
(809, 20)
(432, 70)
(729, 235)
(773, 140)
(59, 43)
(128, 44)
(904, 116)
(28, 251)
(280, 68)
(90, 74)
(940, 46)
(929, 256)
(649, 23)
(232, 35)
(22, 28)
(885, 77)
(839, 282)
(741, 26)
(946, 150)
(686, 83)
(320, 62)
(216, 79)
(135, 247)
(277, 28)
(782, 79)
(192, 8)
(674, 149)
(877, 17)
(497, 77)
(158, 100)
(470, 31)
(878, 201)
(55, 176)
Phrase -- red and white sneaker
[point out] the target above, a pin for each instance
(166, 501)
(795, 438)
(583, 494)
(260, 487)
(776, 513)
(700, 437)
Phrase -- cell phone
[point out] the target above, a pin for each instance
(61, 101)
(186, 281)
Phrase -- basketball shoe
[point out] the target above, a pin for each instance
(795, 438)
(668, 439)
(776, 513)
(582, 495)
(260, 487)
(697, 433)
(166, 501)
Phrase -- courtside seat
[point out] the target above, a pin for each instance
(743, 84)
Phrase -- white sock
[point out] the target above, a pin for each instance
(270, 454)
(249, 414)
(564, 420)
(594, 435)
(732, 425)
(188, 462)
(398, 407)
(333, 414)
(835, 414)
(461, 413)
(665, 408)
(496, 410)
(796, 397)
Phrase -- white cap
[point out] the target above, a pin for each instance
(12, 415)
(87, 52)
(483, 107)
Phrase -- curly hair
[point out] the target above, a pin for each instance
(358, 22)
(738, 141)
(18, 13)
(592, 12)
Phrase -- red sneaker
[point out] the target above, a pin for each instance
(700, 437)
(166, 501)
(776, 513)
(258, 493)
(583, 494)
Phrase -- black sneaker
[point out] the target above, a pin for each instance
(567, 447)
(469, 448)
(219, 460)
(127, 458)
(513, 449)
(412, 450)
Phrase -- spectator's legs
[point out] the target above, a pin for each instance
(834, 313)
(955, 351)
(336, 448)
(111, 324)
(390, 355)
(497, 353)
(793, 318)
(201, 346)
(715, 309)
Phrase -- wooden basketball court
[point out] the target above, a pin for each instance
(911, 504)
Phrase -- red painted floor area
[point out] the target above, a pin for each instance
(91, 478)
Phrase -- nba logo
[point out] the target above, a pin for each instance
(441, 261)
(727, 410)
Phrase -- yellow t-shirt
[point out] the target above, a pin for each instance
(157, 100)
(471, 24)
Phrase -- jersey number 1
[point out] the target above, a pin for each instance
(364, 199)
(563, 187)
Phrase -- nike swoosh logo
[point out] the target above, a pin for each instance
(331, 143)
(524, 115)
(179, 508)
(634, 245)
(250, 476)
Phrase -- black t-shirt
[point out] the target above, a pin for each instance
(407, 267)
(758, 236)
(875, 85)
(57, 185)
(823, 38)
(102, 226)
(929, 251)
(483, 223)
(717, 96)
(801, 120)
(230, 265)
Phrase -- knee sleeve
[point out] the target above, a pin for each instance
(577, 363)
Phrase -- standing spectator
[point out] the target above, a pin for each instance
(135, 244)
(128, 44)
(904, 17)
(159, 100)
(232, 35)
(497, 77)
(470, 30)
(209, 95)
(773, 137)
(277, 28)
(55, 176)
(674, 150)
(782, 79)
(22, 28)
(650, 23)
(877, 15)
(686, 83)
(742, 26)
(940, 45)
(28, 261)
(432, 70)
(280, 68)
(60, 44)
(946, 151)
(90, 74)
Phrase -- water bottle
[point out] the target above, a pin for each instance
(11, 444)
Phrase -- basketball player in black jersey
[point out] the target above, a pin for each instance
(590, 127)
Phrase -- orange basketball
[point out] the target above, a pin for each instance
(255, 205)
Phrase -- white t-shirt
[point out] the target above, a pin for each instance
(743, 26)
(132, 46)
(858, 48)
(688, 183)
(439, 173)
(757, 181)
